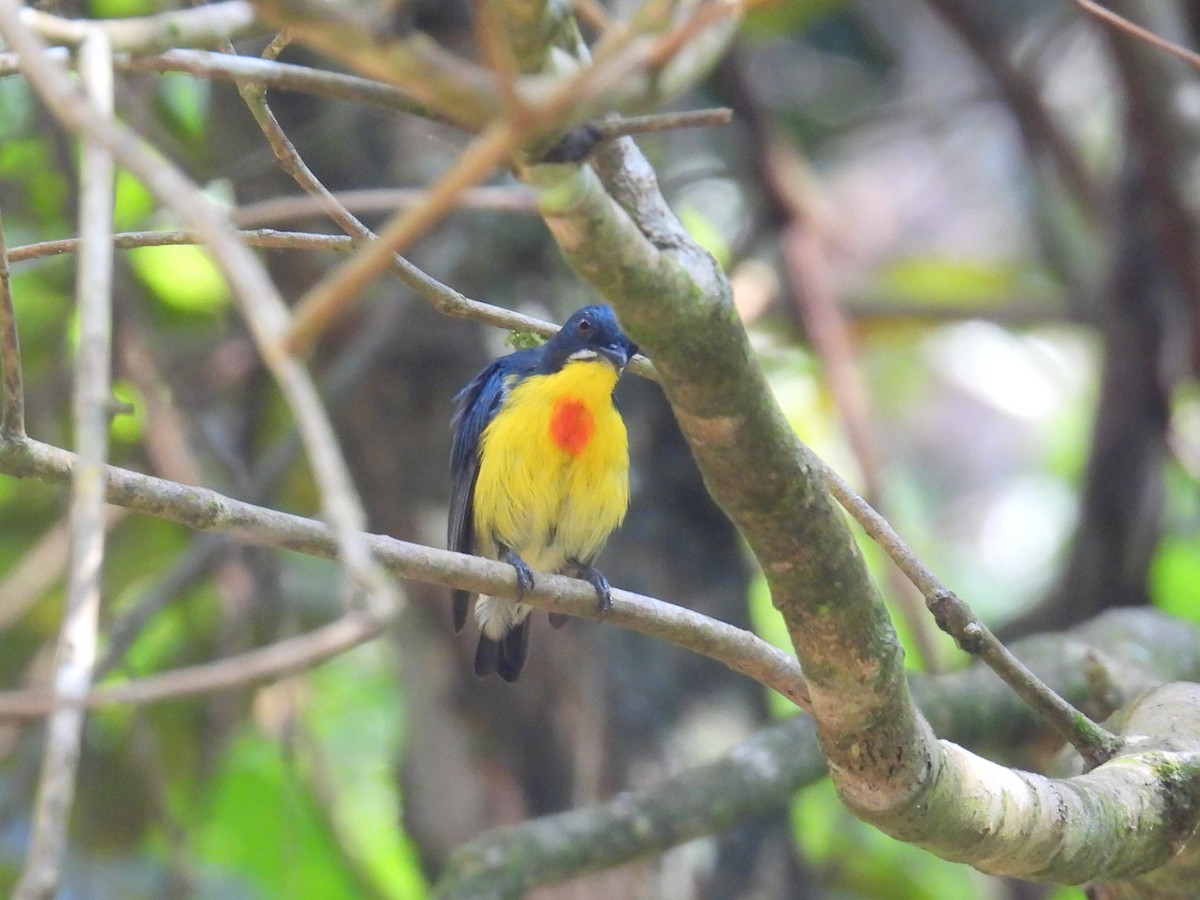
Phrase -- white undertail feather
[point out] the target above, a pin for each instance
(497, 616)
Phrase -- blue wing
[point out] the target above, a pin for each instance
(475, 406)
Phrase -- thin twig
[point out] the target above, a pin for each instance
(442, 297)
(283, 76)
(264, 309)
(1094, 743)
(200, 26)
(1120, 23)
(264, 238)
(695, 118)
(337, 291)
(12, 401)
(334, 293)
(207, 510)
(77, 640)
(516, 198)
(261, 664)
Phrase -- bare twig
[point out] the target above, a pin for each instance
(443, 297)
(260, 302)
(694, 118)
(1142, 34)
(615, 56)
(77, 640)
(346, 371)
(12, 401)
(284, 76)
(261, 664)
(380, 200)
(265, 238)
(207, 510)
(1094, 743)
(326, 300)
(199, 26)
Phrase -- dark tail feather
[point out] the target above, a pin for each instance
(460, 600)
(513, 651)
(505, 657)
(487, 657)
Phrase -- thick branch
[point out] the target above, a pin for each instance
(756, 776)
(970, 707)
(883, 755)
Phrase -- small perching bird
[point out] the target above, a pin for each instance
(539, 473)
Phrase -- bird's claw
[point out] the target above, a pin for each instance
(603, 589)
(524, 573)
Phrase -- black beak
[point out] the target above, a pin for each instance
(618, 354)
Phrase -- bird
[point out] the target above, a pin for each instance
(539, 474)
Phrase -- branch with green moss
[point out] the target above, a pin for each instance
(763, 772)
(884, 757)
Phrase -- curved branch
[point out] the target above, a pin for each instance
(885, 760)
(775, 762)
(202, 26)
(758, 775)
(207, 510)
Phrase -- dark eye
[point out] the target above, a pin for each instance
(585, 326)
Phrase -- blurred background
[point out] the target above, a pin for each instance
(962, 235)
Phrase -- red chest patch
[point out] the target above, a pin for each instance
(571, 426)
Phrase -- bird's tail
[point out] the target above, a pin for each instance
(505, 657)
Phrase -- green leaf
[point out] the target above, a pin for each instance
(185, 101)
(356, 713)
(1174, 576)
(126, 427)
(262, 827)
(132, 202)
(124, 9)
(183, 277)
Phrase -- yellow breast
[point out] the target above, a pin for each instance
(554, 470)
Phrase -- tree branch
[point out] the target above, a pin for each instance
(207, 510)
(1122, 24)
(279, 75)
(884, 758)
(12, 391)
(199, 27)
(775, 762)
(757, 776)
(90, 411)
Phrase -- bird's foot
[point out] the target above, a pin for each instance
(597, 580)
(524, 573)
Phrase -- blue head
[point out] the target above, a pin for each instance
(590, 333)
